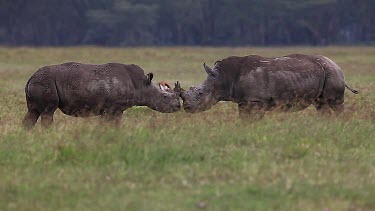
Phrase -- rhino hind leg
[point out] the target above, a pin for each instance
(30, 119)
(253, 110)
(323, 108)
(332, 96)
(42, 100)
(47, 114)
(338, 109)
(327, 106)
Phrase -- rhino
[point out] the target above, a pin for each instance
(83, 90)
(258, 84)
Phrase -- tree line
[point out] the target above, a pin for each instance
(186, 22)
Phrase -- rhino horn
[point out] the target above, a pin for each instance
(209, 70)
(177, 88)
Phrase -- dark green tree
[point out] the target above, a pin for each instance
(186, 22)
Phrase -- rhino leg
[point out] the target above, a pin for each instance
(326, 108)
(332, 99)
(338, 109)
(47, 114)
(113, 116)
(332, 95)
(42, 99)
(253, 110)
(30, 119)
(322, 107)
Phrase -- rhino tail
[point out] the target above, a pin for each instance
(352, 90)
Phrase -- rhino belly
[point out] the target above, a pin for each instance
(82, 109)
(287, 97)
(90, 104)
(82, 98)
(293, 106)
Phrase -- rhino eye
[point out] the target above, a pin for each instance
(200, 93)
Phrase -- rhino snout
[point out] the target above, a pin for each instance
(173, 108)
(188, 108)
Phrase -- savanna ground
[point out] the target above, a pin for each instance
(209, 161)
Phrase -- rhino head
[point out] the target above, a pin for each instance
(159, 99)
(204, 96)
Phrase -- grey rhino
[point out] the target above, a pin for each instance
(259, 84)
(83, 90)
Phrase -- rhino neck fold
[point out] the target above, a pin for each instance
(140, 99)
(147, 97)
(228, 92)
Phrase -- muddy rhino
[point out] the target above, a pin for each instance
(83, 90)
(258, 84)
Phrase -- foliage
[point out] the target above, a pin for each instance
(186, 22)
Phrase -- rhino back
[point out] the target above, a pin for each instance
(284, 79)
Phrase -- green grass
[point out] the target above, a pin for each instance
(208, 161)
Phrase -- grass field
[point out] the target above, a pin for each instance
(208, 161)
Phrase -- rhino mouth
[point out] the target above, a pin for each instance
(172, 110)
(177, 108)
(189, 109)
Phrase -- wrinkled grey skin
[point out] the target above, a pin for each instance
(83, 90)
(258, 84)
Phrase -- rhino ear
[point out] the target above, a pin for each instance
(150, 76)
(209, 70)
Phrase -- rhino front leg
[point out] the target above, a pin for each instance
(112, 116)
(253, 110)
